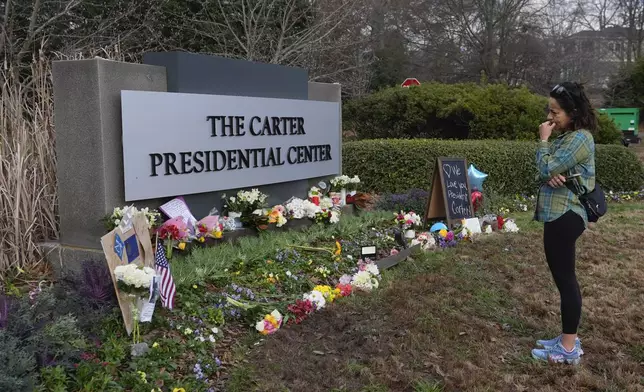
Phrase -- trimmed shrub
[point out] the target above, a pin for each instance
(414, 200)
(395, 166)
(454, 111)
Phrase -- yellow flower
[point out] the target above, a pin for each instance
(182, 245)
(202, 239)
(443, 233)
(178, 390)
(270, 319)
(237, 273)
(155, 345)
(143, 376)
(218, 234)
(194, 286)
(338, 248)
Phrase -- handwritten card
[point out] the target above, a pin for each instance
(178, 207)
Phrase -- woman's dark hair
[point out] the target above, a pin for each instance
(573, 100)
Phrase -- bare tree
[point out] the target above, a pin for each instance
(632, 14)
(598, 14)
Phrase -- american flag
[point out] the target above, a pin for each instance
(167, 288)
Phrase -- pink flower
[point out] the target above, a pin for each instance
(450, 236)
(394, 252)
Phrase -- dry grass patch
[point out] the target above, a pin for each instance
(466, 319)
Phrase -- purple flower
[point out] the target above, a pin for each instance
(198, 372)
(217, 361)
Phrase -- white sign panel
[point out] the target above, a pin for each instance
(178, 144)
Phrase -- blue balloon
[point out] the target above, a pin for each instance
(438, 227)
(476, 178)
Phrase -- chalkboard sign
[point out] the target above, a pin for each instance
(450, 196)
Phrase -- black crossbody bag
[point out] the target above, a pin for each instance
(594, 202)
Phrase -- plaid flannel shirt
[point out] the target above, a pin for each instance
(570, 153)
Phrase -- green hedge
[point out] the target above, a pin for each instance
(454, 111)
(394, 165)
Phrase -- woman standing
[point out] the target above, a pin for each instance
(566, 169)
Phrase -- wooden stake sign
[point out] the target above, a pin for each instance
(449, 197)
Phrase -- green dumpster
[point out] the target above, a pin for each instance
(627, 120)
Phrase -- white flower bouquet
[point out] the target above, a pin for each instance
(153, 217)
(133, 279)
(297, 208)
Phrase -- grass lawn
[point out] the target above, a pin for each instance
(467, 318)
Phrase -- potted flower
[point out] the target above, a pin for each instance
(408, 222)
(340, 184)
(244, 204)
(353, 189)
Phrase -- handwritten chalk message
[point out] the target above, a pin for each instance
(457, 194)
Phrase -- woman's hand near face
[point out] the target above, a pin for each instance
(557, 181)
(545, 130)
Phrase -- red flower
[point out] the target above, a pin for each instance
(169, 232)
(345, 289)
(300, 309)
(500, 222)
(203, 229)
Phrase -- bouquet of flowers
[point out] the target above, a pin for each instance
(276, 216)
(301, 309)
(133, 279)
(446, 239)
(209, 227)
(298, 209)
(245, 202)
(227, 223)
(425, 240)
(340, 182)
(153, 217)
(510, 226)
(259, 219)
(270, 323)
(407, 220)
(174, 231)
(365, 279)
(327, 216)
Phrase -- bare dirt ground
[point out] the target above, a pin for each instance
(466, 320)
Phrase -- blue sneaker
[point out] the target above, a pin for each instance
(549, 344)
(558, 354)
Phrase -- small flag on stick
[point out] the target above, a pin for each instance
(167, 288)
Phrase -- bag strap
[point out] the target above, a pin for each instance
(575, 187)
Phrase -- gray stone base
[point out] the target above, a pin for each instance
(66, 260)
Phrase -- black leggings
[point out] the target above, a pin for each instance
(559, 237)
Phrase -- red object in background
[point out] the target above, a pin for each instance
(477, 200)
(350, 199)
(315, 200)
(500, 221)
(410, 82)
